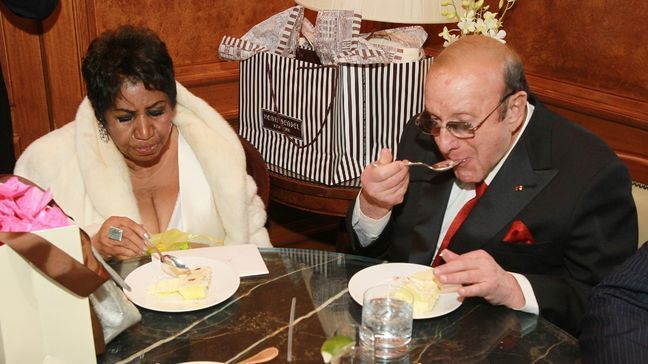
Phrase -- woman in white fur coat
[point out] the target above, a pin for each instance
(144, 155)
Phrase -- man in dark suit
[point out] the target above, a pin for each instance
(557, 213)
(615, 329)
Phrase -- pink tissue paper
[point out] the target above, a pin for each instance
(25, 208)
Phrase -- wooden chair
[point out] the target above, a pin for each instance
(640, 194)
(638, 165)
(256, 167)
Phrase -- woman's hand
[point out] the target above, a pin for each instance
(131, 243)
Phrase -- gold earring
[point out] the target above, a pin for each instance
(103, 133)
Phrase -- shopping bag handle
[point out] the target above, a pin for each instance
(80, 278)
(55, 263)
(327, 112)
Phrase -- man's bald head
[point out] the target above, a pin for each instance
(479, 81)
(478, 49)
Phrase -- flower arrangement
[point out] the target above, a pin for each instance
(474, 18)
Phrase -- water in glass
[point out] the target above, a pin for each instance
(386, 322)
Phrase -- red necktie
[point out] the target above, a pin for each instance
(480, 188)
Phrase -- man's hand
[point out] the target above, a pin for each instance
(384, 184)
(480, 276)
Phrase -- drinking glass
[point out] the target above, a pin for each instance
(359, 355)
(353, 355)
(387, 316)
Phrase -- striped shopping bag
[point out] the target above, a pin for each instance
(326, 123)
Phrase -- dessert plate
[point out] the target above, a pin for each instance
(224, 283)
(390, 272)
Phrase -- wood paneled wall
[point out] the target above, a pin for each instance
(585, 60)
(41, 61)
(25, 77)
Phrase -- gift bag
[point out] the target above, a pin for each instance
(47, 278)
(42, 320)
(326, 123)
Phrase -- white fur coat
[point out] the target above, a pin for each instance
(90, 181)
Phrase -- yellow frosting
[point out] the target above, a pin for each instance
(425, 289)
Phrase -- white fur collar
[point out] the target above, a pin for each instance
(212, 139)
(103, 168)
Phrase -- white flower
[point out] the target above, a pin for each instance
(445, 34)
(474, 18)
(499, 35)
(481, 27)
(449, 38)
(467, 23)
(491, 21)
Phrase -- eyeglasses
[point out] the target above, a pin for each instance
(459, 129)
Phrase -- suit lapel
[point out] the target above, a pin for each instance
(524, 174)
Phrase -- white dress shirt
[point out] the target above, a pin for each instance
(368, 229)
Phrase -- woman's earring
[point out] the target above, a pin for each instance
(103, 133)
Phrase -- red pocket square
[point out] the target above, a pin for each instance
(518, 234)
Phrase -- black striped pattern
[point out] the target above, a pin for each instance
(284, 39)
(355, 27)
(236, 49)
(615, 329)
(372, 103)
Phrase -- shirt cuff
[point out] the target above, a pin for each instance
(367, 229)
(531, 303)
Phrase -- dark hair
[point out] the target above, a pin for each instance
(514, 78)
(128, 53)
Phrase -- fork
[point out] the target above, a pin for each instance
(171, 265)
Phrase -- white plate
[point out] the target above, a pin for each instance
(224, 283)
(388, 272)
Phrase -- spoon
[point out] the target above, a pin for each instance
(438, 166)
(262, 356)
(172, 265)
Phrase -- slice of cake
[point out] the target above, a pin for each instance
(164, 287)
(191, 286)
(194, 285)
(424, 287)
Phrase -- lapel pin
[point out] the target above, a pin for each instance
(519, 188)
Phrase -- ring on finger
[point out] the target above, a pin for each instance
(115, 233)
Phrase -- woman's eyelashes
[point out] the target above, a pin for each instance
(123, 118)
(156, 112)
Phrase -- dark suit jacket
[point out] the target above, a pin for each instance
(575, 199)
(615, 330)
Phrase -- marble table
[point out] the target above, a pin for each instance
(257, 317)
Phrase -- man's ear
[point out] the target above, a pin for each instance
(516, 112)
